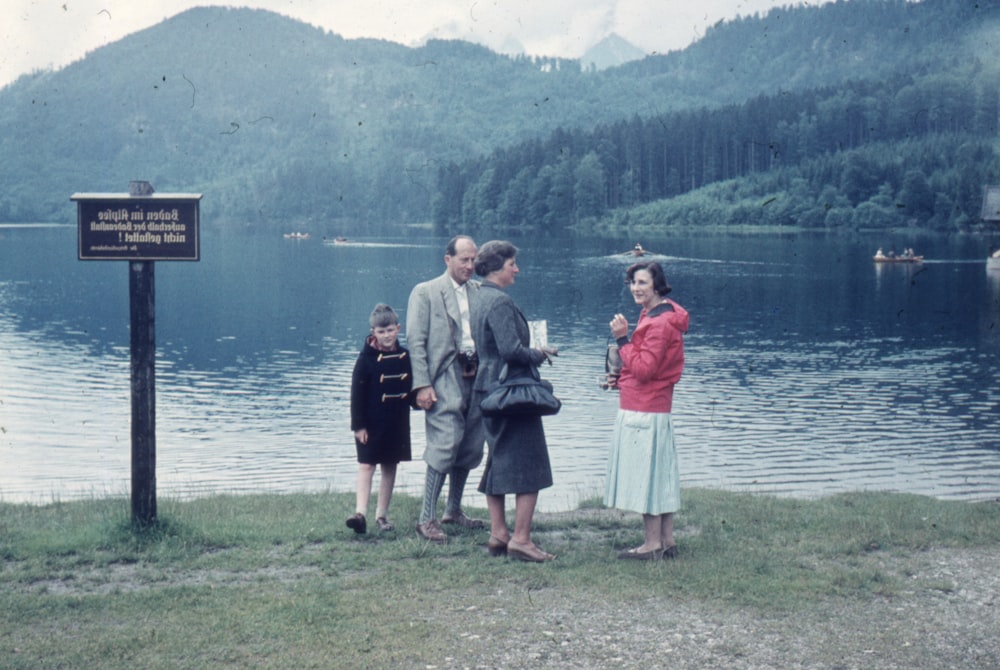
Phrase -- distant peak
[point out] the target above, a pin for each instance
(612, 51)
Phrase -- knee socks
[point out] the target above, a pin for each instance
(456, 486)
(432, 491)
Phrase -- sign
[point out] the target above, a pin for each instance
(155, 227)
(140, 226)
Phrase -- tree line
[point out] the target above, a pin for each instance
(912, 150)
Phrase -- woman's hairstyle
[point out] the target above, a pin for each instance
(383, 316)
(660, 284)
(493, 255)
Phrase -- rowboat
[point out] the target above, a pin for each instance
(906, 257)
(897, 259)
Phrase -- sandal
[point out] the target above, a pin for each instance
(496, 547)
(383, 524)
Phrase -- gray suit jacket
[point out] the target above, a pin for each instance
(434, 328)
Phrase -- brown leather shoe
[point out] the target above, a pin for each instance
(527, 552)
(431, 531)
(462, 520)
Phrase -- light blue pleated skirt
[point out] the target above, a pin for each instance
(643, 475)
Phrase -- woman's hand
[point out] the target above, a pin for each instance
(619, 326)
(361, 435)
(549, 353)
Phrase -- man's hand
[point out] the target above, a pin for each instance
(426, 397)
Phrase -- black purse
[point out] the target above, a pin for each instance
(523, 394)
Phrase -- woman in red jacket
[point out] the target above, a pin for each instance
(643, 475)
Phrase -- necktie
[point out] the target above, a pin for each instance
(463, 309)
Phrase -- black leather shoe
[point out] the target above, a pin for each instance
(357, 523)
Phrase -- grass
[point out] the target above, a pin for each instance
(279, 581)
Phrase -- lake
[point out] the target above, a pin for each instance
(810, 370)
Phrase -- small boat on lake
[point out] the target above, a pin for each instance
(637, 250)
(906, 257)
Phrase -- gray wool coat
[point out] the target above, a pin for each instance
(518, 460)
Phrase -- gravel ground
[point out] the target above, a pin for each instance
(948, 620)
(945, 617)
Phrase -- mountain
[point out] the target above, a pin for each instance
(612, 51)
(278, 122)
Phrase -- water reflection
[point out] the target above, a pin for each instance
(809, 370)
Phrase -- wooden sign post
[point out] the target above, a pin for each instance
(140, 227)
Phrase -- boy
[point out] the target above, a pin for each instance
(380, 414)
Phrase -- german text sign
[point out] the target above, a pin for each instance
(157, 227)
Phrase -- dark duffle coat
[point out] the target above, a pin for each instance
(380, 403)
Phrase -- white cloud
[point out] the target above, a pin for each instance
(40, 34)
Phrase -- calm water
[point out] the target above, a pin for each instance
(809, 370)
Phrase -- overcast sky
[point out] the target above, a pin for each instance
(53, 33)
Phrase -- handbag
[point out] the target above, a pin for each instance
(524, 394)
(612, 368)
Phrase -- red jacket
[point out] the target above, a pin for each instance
(652, 361)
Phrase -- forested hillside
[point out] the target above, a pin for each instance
(283, 125)
(906, 142)
(914, 151)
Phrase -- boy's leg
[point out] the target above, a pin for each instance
(385, 486)
(364, 487)
(357, 522)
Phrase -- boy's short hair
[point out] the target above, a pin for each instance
(383, 316)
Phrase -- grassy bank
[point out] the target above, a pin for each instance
(279, 581)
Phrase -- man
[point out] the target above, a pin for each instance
(444, 366)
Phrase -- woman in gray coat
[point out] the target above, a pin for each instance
(518, 460)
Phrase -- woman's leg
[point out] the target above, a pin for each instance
(524, 511)
(520, 545)
(498, 520)
(385, 489)
(667, 530)
(652, 525)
